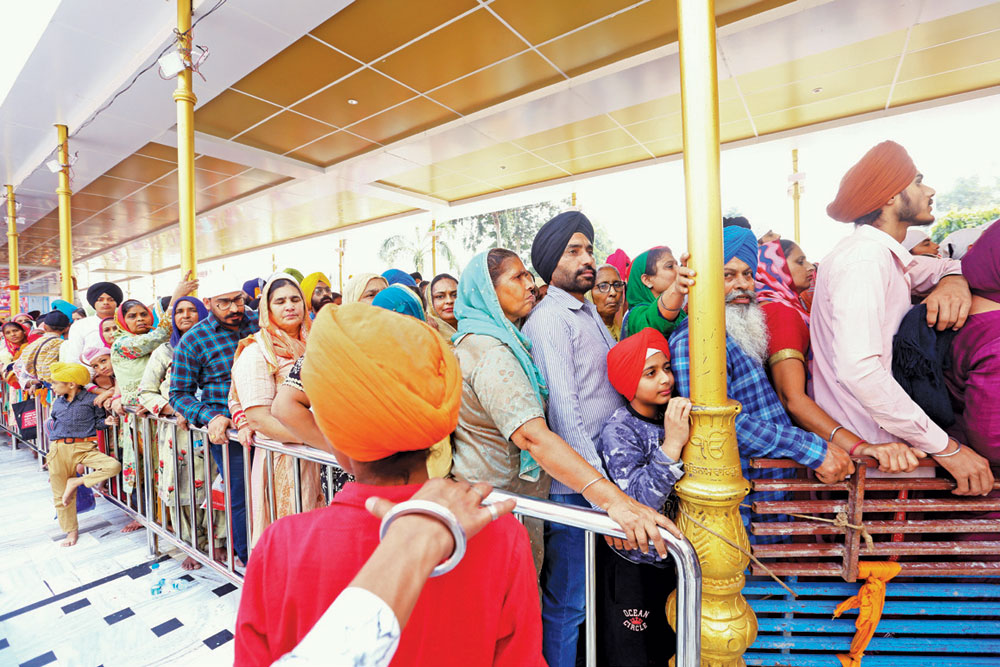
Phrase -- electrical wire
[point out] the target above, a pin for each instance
(177, 37)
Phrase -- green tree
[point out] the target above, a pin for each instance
(968, 193)
(515, 229)
(416, 248)
(961, 219)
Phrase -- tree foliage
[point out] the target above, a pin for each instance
(415, 249)
(955, 220)
(969, 193)
(515, 229)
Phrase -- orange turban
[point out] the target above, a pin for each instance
(380, 382)
(627, 359)
(883, 172)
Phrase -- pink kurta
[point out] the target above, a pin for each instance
(862, 294)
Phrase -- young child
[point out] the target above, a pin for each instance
(73, 425)
(640, 445)
(657, 287)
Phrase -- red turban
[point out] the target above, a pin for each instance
(627, 359)
(380, 382)
(883, 172)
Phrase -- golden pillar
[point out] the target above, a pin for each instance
(434, 247)
(185, 98)
(65, 218)
(14, 279)
(340, 263)
(796, 191)
(713, 484)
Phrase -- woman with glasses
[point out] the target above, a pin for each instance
(608, 295)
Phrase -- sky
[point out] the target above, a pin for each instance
(644, 206)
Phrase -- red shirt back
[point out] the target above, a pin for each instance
(484, 612)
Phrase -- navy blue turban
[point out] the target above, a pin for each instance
(551, 240)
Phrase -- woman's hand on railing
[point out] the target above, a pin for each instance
(103, 399)
(641, 524)
(893, 457)
(111, 420)
(117, 407)
(245, 436)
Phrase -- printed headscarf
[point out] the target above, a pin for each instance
(176, 334)
(15, 350)
(551, 241)
(356, 286)
(400, 299)
(380, 384)
(774, 280)
(276, 343)
(478, 312)
(627, 359)
(981, 265)
(883, 172)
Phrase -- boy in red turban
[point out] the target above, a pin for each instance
(640, 446)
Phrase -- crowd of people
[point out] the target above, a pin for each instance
(570, 383)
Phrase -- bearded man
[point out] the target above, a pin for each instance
(763, 428)
(316, 288)
(862, 295)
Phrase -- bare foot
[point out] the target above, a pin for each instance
(71, 486)
(190, 564)
(70, 538)
(132, 527)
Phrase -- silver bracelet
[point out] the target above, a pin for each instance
(833, 433)
(944, 456)
(439, 512)
(591, 483)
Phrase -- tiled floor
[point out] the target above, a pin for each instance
(90, 604)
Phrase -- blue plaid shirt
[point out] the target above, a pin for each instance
(763, 428)
(204, 360)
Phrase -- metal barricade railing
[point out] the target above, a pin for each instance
(144, 504)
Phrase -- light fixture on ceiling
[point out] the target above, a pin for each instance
(817, 90)
(502, 167)
(55, 167)
(352, 101)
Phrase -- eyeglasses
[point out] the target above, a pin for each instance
(604, 288)
(226, 304)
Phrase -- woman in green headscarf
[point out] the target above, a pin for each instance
(657, 287)
(502, 437)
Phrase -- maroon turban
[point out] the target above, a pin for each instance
(627, 359)
(883, 172)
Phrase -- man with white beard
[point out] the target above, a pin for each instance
(763, 428)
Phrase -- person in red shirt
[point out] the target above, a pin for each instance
(398, 395)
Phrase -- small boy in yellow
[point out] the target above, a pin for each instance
(73, 425)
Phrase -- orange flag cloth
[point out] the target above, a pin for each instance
(869, 602)
(380, 382)
(883, 172)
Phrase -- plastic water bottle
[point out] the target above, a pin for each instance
(178, 585)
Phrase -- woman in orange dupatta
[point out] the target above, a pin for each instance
(262, 363)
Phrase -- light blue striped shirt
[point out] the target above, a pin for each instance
(570, 344)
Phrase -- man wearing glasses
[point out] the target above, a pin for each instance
(607, 295)
(203, 360)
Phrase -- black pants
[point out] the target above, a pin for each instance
(632, 628)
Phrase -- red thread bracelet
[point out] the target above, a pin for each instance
(855, 446)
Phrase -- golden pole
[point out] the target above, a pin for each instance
(185, 98)
(434, 261)
(65, 217)
(713, 483)
(340, 266)
(572, 201)
(795, 191)
(14, 279)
